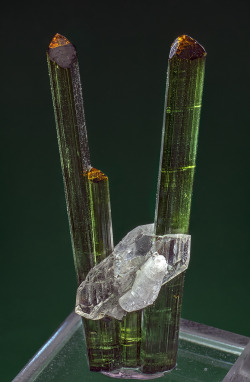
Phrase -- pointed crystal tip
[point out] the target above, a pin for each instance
(186, 48)
(62, 51)
(58, 40)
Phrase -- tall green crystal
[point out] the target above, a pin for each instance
(180, 135)
(185, 77)
(87, 193)
(73, 148)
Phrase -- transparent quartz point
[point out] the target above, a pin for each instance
(131, 277)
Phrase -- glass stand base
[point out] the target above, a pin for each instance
(205, 354)
(132, 373)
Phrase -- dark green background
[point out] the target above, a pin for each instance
(123, 50)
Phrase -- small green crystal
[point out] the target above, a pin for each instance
(101, 221)
(102, 337)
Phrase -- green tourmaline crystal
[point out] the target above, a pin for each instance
(73, 148)
(102, 337)
(87, 193)
(180, 135)
(100, 214)
(103, 343)
(160, 329)
(185, 76)
(131, 339)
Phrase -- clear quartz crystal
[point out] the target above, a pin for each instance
(131, 277)
(147, 284)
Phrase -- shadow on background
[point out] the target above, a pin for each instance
(123, 52)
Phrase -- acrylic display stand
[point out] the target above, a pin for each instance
(205, 354)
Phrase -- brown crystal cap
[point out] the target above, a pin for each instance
(61, 51)
(95, 175)
(186, 48)
(58, 40)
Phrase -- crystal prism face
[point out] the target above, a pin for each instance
(131, 277)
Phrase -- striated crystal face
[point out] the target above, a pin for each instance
(131, 277)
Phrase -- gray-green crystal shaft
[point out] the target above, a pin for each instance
(185, 76)
(74, 155)
(100, 209)
(131, 339)
(102, 337)
(160, 329)
(87, 197)
(179, 143)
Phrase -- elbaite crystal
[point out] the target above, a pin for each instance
(86, 190)
(102, 337)
(180, 135)
(100, 212)
(73, 147)
(160, 329)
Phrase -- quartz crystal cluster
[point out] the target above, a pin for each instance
(131, 277)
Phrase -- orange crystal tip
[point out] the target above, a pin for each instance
(58, 40)
(185, 47)
(62, 51)
(95, 175)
